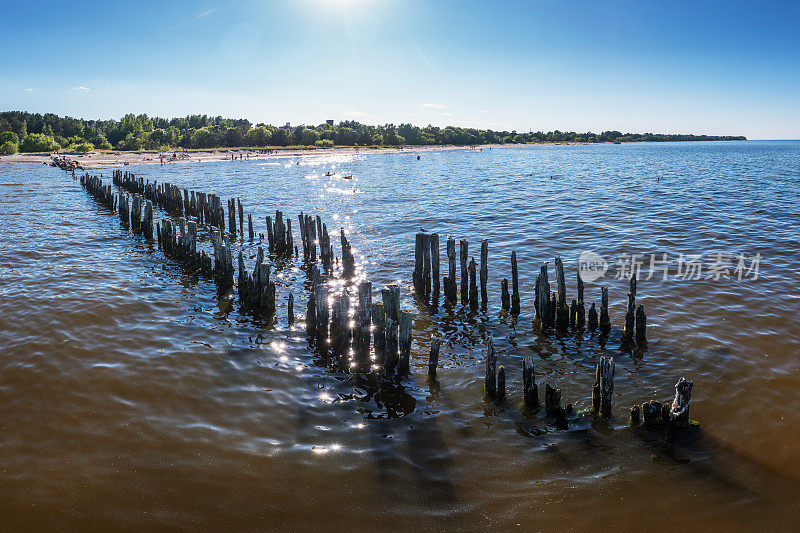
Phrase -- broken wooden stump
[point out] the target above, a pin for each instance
(530, 392)
(433, 358)
(490, 379)
(603, 387)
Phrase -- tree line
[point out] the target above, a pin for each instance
(34, 132)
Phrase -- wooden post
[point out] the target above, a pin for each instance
(592, 318)
(433, 359)
(290, 309)
(514, 285)
(391, 304)
(490, 383)
(630, 316)
(426, 267)
(552, 398)
(241, 216)
(603, 386)
(679, 411)
(530, 391)
(651, 412)
(417, 277)
(321, 300)
(641, 325)
(562, 309)
(434, 241)
(605, 322)
(379, 328)
(573, 315)
(544, 306)
(484, 272)
(473, 287)
(450, 291)
(464, 252)
(363, 318)
(501, 383)
(635, 418)
(405, 341)
(505, 297)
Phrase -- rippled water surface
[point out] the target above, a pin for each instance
(132, 394)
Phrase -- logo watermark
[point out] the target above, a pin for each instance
(705, 266)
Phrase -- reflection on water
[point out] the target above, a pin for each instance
(130, 392)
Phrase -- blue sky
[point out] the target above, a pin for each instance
(695, 67)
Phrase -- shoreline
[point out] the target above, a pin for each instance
(110, 158)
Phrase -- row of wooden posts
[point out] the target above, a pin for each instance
(551, 312)
(328, 318)
(382, 328)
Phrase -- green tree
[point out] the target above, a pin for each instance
(9, 147)
(308, 136)
(101, 142)
(37, 142)
(9, 136)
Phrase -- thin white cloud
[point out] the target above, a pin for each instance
(354, 113)
(28, 90)
(205, 13)
(435, 106)
(81, 88)
(447, 114)
(423, 57)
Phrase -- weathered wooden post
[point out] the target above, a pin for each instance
(450, 291)
(473, 288)
(651, 412)
(433, 359)
(321, 301)
(426, 267)
(505, 297)
(635, 418)
(464, 252)
(605, 321)
(545, 308)
(434, 241)
(391, 304)
(379, 329)
(290, 309)
(603, 386)
(405, 341)
(417, 277)
(515, 308)
(364, 318)
(592, 318)
(630, 316)
(241, 217)
(552, 398)
(530, 392)
(641, 325)
(484, 272)
(490, 379)
(562, 309)
(501, 384)
(250, 232)
(679, 411)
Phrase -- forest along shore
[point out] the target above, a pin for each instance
(97, 159)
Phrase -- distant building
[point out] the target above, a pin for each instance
(330, 122)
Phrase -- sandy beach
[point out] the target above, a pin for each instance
(99, 159)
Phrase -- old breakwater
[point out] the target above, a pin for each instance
(344, 338)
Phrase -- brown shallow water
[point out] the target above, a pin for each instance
(131, 395)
